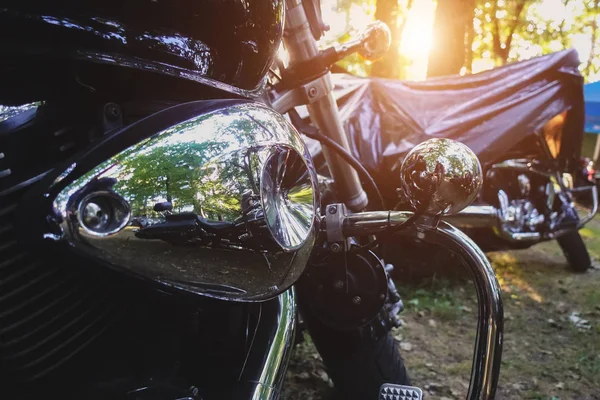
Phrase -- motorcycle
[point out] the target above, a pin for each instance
(525, 123)
(119, 114)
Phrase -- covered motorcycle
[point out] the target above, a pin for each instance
(523, 120)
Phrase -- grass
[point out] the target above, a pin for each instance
(438, 299)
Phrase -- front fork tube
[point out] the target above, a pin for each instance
(322, 106)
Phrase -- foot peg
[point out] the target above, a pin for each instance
(390, 391)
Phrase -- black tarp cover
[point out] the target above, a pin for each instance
(490, 112)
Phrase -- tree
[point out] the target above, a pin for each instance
(447, 55)
(503, 33)
(169, 172)
(593, 9)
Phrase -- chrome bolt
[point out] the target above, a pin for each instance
(335, 247)
(356, 300)
(338, 284)
(332, 209)
(312, 92)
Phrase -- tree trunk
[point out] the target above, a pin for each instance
(168, 187)
(388, 65)
(502, 47)
(448, 52)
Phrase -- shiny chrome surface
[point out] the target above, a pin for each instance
(594, 193)
(324, 111)
(272, 345)
(488, 346)
(376, 41)
(518, 219)
(487, 354)
(103, 213)
(474, 217)
(442, 174)
(372, 222)
(244, 204)
(482, 216)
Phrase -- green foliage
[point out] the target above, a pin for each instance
(171, 173)
(438, 298)
(512, 30)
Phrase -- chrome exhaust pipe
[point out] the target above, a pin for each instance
(489, 217)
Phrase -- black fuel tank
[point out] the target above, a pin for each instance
(231, 42)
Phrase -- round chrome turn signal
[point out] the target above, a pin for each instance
(441, 175)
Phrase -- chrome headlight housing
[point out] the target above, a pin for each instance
(241, 213)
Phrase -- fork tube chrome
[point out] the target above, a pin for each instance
(324, 112)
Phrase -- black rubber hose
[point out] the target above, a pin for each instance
(314, 133)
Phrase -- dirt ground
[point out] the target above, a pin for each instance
(552, 331)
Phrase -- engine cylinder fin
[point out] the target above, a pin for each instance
(95, 307)
(6, 210)
(68, 341)
(20, 289)
(12, 261)
(65, 357)
(72, 307)
(20, 271)
(5, 228)
(49, 309)
(7, 245)
(41, 312)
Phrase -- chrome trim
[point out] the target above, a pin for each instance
(488, 345)
(168, 70)
(442, 175)
(241, 185)
(487, 354)
(592, 213)
(474, 217)
(483, 216)
(372, 222)
(274, 352)
(523, 236)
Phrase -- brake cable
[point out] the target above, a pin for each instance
(314, 133)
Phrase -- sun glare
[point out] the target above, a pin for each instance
(417, 38)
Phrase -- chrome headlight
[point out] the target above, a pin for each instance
(220, 200)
